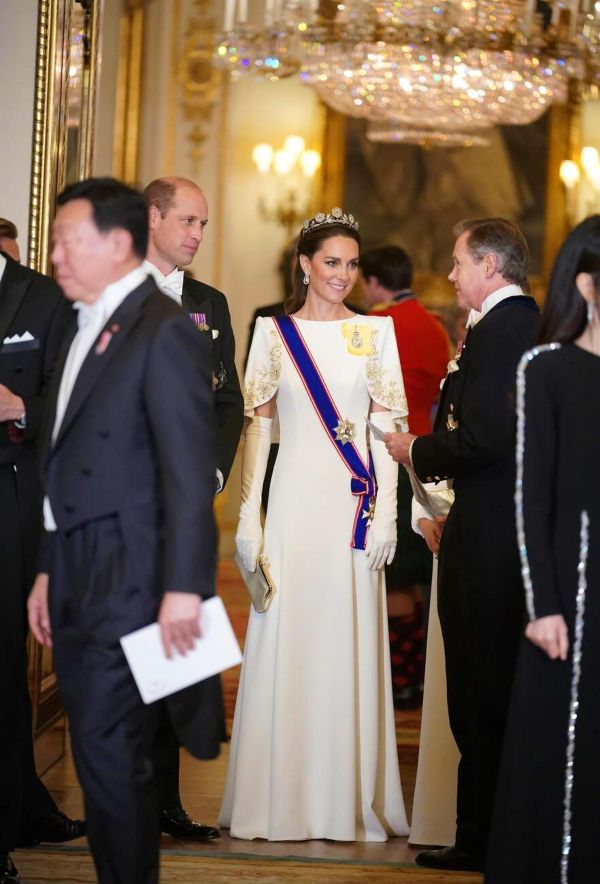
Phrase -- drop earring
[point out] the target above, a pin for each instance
(590, 312)
(306, 279)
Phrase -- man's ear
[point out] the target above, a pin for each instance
(153, 216)
(585, 287)
(490, 264)
(122, 243)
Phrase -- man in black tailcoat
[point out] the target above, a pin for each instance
(177, 216)
(129, 481)
(33, 317)
(480, 593)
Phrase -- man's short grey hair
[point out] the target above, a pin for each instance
(499, 237)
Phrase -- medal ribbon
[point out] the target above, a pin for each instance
(362, 481)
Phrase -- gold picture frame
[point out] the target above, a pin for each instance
(64, 105)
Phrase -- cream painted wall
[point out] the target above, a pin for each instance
(18, 27)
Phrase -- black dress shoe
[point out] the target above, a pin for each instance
(54, 829)
(176, 822)
(450, 858)
(8, 872)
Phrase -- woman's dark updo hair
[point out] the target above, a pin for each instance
(564, 316)
(310, 242)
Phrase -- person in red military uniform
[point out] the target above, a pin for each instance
(424, 348)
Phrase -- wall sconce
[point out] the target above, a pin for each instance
(294, 167)
(582, 184)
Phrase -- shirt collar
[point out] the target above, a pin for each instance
(2, 266)
(170, 284)
(501, 294)
(111, 298)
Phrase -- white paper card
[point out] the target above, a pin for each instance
(377, 433)
(156, 676)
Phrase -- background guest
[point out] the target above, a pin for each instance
(546, 818)
(177, 216)
(479, 581)
(33, 318)
(423, 347)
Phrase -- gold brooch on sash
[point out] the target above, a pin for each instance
(451, 423)
(345, 431)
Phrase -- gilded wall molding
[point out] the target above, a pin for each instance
(49, 124)
(198, 79)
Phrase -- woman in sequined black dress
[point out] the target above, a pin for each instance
(547, 817)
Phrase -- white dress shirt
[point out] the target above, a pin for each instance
(171, 284)
(2, 266)
(90, 320)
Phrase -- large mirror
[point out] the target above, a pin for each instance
(64, 110)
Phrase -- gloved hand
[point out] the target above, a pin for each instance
(382, 538)
(248, 538)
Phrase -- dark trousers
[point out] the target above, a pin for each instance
(478, 686)
(164, 752)
(23, 798)
(94, 599)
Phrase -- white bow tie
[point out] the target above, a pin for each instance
(473, 318)
(171, 284)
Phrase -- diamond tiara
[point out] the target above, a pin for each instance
(336, 216)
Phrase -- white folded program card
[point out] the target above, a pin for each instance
(156, 676)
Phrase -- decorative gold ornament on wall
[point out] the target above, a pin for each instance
(198, 78)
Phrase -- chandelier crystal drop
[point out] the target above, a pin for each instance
(448, 68)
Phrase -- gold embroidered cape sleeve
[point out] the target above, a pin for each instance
(264, 365)
(384, 374)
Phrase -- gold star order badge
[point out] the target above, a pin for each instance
(451, 423)
(345, 431)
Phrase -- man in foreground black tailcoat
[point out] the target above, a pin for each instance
(177, 216)
(129, 482)
(480, 593)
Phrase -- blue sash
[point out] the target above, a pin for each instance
(362, 482)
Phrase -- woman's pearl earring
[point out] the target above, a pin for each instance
(590, 312)
(307, 280)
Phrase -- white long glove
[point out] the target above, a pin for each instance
(382, 537)
(248, 538)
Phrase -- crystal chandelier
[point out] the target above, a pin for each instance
(419, 70)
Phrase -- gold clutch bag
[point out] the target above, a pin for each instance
(259, 583)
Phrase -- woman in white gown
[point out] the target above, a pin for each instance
(313, 750)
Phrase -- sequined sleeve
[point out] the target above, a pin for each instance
(264, 366)
(384, 375)
(536, 481)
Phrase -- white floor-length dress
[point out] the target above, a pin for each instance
(433, 819)
(313, 750)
